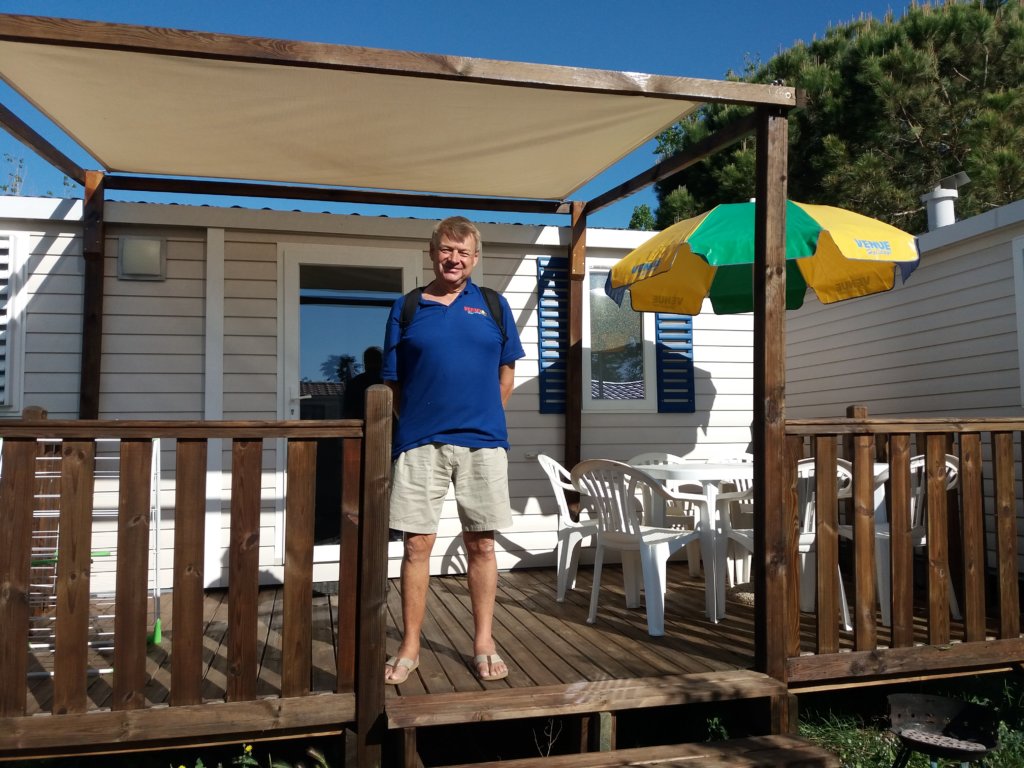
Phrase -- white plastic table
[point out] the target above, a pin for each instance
(710, 476)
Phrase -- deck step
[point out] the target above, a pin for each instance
(759, 751)
(579, 698)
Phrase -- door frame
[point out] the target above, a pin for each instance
(290, 257)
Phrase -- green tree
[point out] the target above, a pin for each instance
(15, 172)
(642, 218)
(892, 106)
(339, 368)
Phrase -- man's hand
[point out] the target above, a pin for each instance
(506, 380)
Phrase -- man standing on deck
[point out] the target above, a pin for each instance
(451, 367)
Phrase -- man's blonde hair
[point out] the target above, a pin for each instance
(457, 228)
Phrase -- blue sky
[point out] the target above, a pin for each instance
(670, 37)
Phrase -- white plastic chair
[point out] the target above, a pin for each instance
(739, 542)
(612, 487)
(918, 532)
(743, 538)
(807, 509)
(571, 533)
(679, 514)
(735, 516)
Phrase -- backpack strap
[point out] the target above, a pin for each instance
(492, 298)
(409, 307)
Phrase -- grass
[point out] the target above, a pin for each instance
(853, 724)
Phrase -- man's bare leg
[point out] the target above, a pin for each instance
(415, 578)
(482, 576)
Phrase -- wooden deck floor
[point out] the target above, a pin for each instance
(547, 643)
(543, 642)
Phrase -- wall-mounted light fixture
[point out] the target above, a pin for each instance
(142, 258)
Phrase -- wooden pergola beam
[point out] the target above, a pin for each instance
(574, 369)
(329, 194)
(93, 252)
(709, 145)
(20, 130)
(124, 37)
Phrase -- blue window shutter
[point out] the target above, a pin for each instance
(553, 331)
(674, 356)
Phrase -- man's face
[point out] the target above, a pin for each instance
(454, 261)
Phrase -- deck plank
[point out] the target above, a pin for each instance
(643, 657)
(525, 594)
(429, 675)
(518, 638)
(450, 638)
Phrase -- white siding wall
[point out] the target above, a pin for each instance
(944, 343)
(250, 369)
(152, 365)
(53, 320)
(250, 329)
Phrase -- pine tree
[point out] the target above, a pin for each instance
(892, 107)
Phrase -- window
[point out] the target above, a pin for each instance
(616, 358)
(631, 361)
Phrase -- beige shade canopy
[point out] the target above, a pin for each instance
(174, 103)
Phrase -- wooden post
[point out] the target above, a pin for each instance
(71, 643)
(93, 252)
(901, 553)
(771, 537)
(17, 486)
(972, 600)
(243, 568)
(133, 513)
(373, 525)
(297, 632)
(348, 575)
(1004, 482)
(937, 524)
(865, 631)
(574, 363)
(852, 412)
(189, 546)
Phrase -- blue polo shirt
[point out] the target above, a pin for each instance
(446, 364)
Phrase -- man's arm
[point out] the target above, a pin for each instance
(506, 380)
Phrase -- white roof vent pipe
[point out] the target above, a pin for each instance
(939, 201)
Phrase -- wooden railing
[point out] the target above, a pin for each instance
(984, 569)
(355, 704)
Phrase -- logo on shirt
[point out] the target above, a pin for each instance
(475, 310)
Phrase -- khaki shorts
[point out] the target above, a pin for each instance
(420, 479)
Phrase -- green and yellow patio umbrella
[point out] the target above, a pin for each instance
(838, 253)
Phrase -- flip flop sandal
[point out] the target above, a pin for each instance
(403, 668)
(490, 659)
